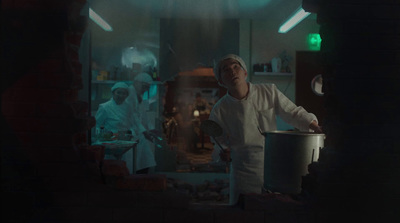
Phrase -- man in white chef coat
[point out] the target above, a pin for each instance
(244, 110)
(145, 149)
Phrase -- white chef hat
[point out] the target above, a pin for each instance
(144, 78)
(119, 85)
(217, 68)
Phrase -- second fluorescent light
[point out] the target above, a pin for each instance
(99, 21)
(297, 17)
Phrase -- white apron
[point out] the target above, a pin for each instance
(145, 149)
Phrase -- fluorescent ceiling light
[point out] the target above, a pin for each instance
(297, 17)
(99, 21)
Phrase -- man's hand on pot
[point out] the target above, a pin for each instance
(314, 126)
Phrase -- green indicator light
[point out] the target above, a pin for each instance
(314, 41)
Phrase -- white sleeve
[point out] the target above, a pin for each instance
(101, 116)
(294, 115)
(137, 126)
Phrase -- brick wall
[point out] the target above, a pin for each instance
(43, 124)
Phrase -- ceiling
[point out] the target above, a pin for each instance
(131, 19)
(123, 15)
(120, 11)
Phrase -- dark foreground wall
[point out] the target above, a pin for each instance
(358, 174)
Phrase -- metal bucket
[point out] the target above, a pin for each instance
(286, 159)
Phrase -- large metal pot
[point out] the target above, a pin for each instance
(286, 159)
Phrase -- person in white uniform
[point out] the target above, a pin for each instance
(145, 150)
(244, 110)
(115, 115)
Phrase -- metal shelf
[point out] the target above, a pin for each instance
(113, 82)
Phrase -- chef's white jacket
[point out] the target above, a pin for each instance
(145, 149)
(240, 120)
(115, 117)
